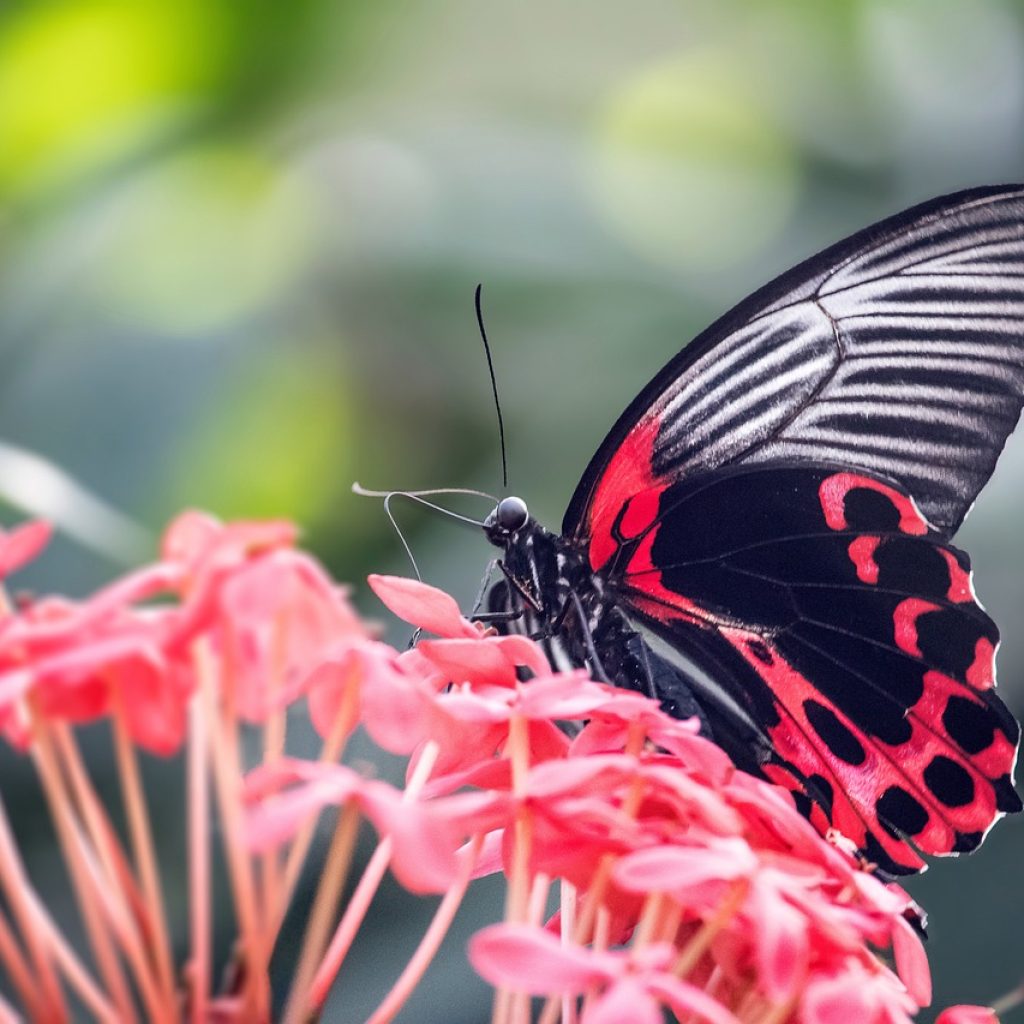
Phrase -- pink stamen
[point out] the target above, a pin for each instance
(431, 941)
(86, 891)
(141, 833)
(359, 905)
(198, 863)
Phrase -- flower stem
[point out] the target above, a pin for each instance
(59, 803)
(133, 796)
(325, 904)
(515, 1007)
(1009, 1001)
(690, 955)
(274, 741)
(365, 891)
(18, 891)
(78, 977)
(431, 941)
(332, 750)
(20, 975)
(117, 890)
(225, 763)
(198, 810)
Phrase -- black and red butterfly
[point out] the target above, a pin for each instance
(777, 507)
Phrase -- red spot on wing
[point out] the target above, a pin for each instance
(961, 589)
(997, 759)
(982, 673)
(834, 489)
(628, 479)
(862, 554)
(905, 622)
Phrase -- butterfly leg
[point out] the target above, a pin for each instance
(596, 665)
(481, 594)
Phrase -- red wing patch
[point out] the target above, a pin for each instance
(626, 496)
(927, 789)
(863, 650)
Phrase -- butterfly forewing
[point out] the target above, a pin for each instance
(899, 351)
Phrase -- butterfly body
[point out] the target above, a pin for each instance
(777, 506)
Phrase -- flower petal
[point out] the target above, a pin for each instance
(688, 1000)
(528, 959)
(912, 962)
(679, 869)
(423, 606)
(22, 544)
(967, 1015)
(624, 1000)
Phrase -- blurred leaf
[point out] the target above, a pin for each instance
(82, 81)
(210, 237)
(690, 168)
(277, 443)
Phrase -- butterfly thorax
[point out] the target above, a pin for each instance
(551, 593)
(550, 589)
(549, 579)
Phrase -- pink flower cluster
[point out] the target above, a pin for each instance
(681, 884)
(684, 884)
(181, 654)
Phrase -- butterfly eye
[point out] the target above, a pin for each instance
(511, 514)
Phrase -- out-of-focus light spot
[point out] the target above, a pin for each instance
(277, 441)
(83, 81)
(40, 488)
(808, 66)
(952, 73)
(689, 168)
(202, 242)
(378, 195)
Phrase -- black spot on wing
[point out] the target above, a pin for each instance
(949, 782)
(823, 792)
(760, 651)
(912, 566)
(868, 511)
(972, 726)
(967, 841)
(899, 812)
(1007, 799)
(948, 638)
(803, 802)
(836, 736)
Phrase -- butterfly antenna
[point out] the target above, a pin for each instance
(420, 499)
(401, 536)
(494, 386)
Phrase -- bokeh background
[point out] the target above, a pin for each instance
(238, 246)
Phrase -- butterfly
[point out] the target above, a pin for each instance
(763, 540)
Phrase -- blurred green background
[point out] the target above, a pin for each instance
(238, 245)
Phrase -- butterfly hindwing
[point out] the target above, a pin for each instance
(857, 643)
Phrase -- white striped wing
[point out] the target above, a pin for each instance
(899, 351)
